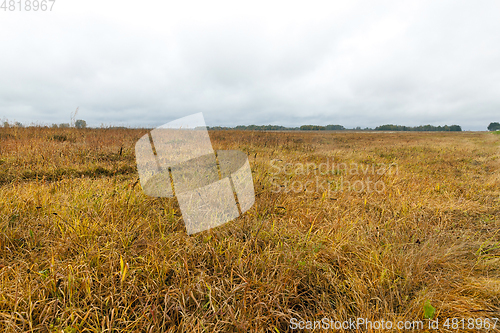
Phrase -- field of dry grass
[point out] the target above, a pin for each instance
(82, 249)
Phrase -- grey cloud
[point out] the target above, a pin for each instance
(369, 65)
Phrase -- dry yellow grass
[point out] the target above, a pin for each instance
(82, 249)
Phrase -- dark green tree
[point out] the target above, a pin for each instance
(334, 127)
(80, 123)
(494, 127)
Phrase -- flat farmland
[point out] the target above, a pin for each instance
(400, 227)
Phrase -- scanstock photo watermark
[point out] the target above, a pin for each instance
(365, 324)
(329, 176)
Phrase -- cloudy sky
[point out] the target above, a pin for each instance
(354, 63)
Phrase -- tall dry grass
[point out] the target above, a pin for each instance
(82, 249)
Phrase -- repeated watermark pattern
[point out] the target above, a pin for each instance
(27, 5)
(329, 176)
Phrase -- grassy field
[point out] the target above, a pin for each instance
(404, 219)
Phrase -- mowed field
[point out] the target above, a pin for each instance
(345, 225)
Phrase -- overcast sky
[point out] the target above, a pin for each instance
(354, 63)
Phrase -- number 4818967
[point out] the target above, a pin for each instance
(27, 5)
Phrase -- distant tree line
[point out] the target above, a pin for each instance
(322, 128)
(445, 128)
(281, 128)
(78, 124)
(264, 128)
(424, 128)
(254, 128)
